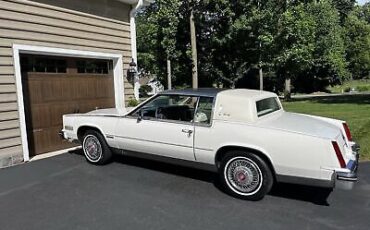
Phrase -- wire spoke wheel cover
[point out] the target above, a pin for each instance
(243, 176)
(92, 148)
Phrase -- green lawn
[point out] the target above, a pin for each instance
(355, 109)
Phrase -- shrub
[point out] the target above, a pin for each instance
(363, 88)
(347, 89)
(132, 103)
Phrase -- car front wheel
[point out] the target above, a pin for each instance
(245, 175)
(95, 148)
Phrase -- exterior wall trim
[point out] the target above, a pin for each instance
(18, 49)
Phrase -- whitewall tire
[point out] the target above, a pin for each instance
(95, 148)
(245, 175)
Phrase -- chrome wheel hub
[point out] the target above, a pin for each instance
(92, 148)
(243, 175)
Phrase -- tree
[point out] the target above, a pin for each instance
(298, 40)
(158, 25)
(358, 44)
(344, 8)
(329, 61)
(234, 38)
(295, 43)
(310, 46)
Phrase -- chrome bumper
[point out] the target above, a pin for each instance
(61, 134)
(346, 180)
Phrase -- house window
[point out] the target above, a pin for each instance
(93, 66)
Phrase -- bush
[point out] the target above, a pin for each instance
(132, 103)
(347, 89)
(363, 88)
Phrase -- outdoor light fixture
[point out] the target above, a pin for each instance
(131, 72)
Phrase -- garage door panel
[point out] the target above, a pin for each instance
(40, 116)
(35, 95)
(97, 104)
(104, 89)
(57, 110)
(53, 90)
(47, 140)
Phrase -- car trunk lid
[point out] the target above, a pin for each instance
(300, 123)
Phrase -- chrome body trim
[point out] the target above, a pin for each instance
(166, 143)
(175, 161)
(307, 181)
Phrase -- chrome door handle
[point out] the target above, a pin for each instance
(188, 131)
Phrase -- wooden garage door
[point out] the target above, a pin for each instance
(56, 86)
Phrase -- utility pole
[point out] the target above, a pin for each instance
(194, 51)
(260, 68)
(169, 78)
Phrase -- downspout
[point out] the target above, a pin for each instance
(133, 11)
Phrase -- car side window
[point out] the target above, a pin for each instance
(169, 107)
(204, 111)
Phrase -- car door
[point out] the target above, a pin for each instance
(163, 126)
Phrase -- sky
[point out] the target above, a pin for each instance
(361, 2)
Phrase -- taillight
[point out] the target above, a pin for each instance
(348, 132)
(339, 154)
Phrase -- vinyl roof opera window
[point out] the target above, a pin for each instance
(266, 106)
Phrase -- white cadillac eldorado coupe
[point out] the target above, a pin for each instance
(244, 135)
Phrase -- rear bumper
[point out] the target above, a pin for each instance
(347, 179)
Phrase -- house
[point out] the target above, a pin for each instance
(59, 57)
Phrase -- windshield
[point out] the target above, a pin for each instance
(266, 106)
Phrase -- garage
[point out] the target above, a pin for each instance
(53, 86)
(60, 57)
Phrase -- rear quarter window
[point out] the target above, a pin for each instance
(267, 105)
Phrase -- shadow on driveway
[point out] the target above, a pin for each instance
(310, 194)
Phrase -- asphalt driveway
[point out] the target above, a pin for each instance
(65, 192)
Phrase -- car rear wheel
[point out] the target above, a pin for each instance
(245, 175)
(95, 148)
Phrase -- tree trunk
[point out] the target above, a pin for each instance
(261, 78)
(169, 77)
(194, 51)
(287, 92)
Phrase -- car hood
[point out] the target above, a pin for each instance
(300, 123)
(108, 112)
